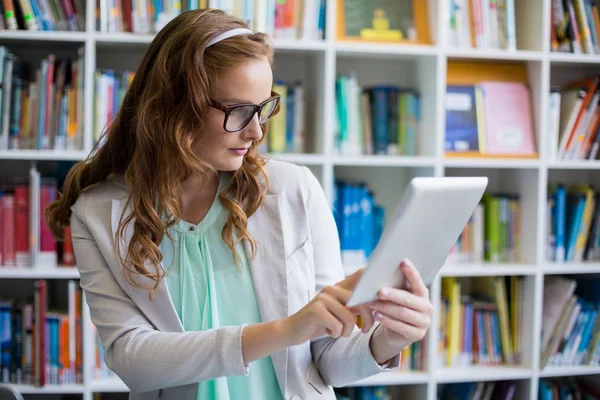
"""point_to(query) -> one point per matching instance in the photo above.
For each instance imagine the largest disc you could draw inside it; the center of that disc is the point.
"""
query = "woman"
(211, 273)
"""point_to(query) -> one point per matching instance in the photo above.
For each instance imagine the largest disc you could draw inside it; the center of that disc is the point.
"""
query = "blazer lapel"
(160, 310)
(269, 273)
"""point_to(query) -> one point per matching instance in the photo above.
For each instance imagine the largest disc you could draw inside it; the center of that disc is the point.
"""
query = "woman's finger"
(340, 312)
(417, 286)
(366, 317)
(403, 329)
(400, 313)
(406, 299)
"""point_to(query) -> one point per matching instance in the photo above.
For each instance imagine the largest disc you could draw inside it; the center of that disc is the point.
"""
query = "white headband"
(228, 34)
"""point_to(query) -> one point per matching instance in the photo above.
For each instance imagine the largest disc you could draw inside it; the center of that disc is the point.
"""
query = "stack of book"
(43, 15)
(25, 239)
(41, 344)
(286, 132)
(492, 233)
(381, 120)
(501, 390)
(572, 223)
(110, 90)
(575, 26)
(413, 357)
(41, 108)
(571, 322)
(359, 222)
(482, 24)
(281, 19)
(574, 119)
(481, 321)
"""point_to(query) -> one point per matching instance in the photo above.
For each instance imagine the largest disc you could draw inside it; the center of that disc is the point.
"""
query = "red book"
(68, 256)
(22, 225)
(8, 227)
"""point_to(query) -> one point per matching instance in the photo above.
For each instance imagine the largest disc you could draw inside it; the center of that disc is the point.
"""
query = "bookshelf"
(318, 63)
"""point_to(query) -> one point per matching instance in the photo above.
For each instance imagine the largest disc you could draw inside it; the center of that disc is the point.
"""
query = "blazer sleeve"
(144, 358)
(344, 360)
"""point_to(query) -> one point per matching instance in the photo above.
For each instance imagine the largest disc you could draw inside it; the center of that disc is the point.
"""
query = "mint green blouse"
(209, 291)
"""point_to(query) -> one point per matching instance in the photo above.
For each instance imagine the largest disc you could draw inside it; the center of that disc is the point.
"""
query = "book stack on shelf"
(573, 219)
(279, 19)
(109, 90)
(571, 322)
(492, 233)
(42, 106)
(586, 388)
(286, 129)
(575, 26)
(481, 321)
(501, 390)
(382, 120)
(43, 15)
(40, 342)
(482, 24)
(574, 119)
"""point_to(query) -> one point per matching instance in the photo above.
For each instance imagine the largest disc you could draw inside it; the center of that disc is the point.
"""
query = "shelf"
(549, 372)
(306, 159)
(571, 268)
(394, 378)
(39, 273)
(384, 161)
(576, 164)
(477, 373)
(569, 58)
(109, 385)
(384, 50)
(42, 155)
(491, 54)
(487, 269)
(74, 37)
(483, 162)
(50, 389)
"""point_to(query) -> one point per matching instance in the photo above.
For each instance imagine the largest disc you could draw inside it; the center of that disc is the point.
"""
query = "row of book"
(41, 108)
(25, 239)
(41, 344)
(42, 15)
(575, 26)
(110, 89)
(572, 223)
(574, 119)
(492, 233)
(482, 24)
(281, 19)
(501, 390)
(568, 387)
(363, 393)
(571, 321)
(286, 129)
(489, 118)
(359, 221)
(412, 357)
(376, 120)
(481, 321)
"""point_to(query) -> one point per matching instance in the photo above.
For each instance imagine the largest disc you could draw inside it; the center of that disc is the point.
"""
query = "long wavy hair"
(152, 138)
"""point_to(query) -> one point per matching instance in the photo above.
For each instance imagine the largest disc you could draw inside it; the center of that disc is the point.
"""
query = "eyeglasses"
(237, 116)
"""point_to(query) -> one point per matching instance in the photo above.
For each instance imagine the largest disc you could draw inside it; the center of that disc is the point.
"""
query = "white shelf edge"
(308, 159)
(42, 155)
(478, 373)
(383, 49)
(491, 269)
(571, 268)
(384, 161)
(51, 389)
(393, 378)
(549, 372)
(482, 162)
(493, 54)
(9, 272)
(576, 164)
(568, 58)
(109, 385)
(49, 36)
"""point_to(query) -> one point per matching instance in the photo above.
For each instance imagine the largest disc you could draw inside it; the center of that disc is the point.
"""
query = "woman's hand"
(405, 315)
(327, 314)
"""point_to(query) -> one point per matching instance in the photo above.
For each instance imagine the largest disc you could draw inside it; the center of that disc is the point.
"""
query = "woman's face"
(249, 83)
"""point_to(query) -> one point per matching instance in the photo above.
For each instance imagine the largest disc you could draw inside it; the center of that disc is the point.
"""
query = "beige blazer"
(145, 344)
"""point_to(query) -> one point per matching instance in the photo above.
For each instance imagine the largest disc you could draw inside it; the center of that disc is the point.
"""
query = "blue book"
(369, 231)
(461, 120)
(380, 119)
(560, 215)
(576, 206)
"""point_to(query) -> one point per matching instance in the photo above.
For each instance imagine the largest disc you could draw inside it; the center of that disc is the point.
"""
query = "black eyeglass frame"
(227, 109)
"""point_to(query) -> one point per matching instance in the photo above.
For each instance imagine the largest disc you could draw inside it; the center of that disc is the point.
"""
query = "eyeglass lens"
(240, 116)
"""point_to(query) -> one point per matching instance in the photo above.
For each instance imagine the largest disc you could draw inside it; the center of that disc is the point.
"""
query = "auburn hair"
(152, 137)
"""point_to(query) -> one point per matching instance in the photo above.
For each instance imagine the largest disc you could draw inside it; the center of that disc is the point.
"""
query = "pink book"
(8, 220)
(508, 121)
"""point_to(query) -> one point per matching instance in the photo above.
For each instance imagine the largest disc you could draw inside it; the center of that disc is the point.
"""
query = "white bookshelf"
(424, 68)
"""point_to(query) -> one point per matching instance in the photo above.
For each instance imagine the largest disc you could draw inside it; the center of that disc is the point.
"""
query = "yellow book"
(277, 124)
(452, 293)
(586, 219)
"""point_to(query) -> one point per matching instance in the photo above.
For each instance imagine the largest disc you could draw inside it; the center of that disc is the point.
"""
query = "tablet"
(424, 227)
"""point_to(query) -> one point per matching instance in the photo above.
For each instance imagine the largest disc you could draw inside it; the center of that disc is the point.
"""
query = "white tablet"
(424, 227)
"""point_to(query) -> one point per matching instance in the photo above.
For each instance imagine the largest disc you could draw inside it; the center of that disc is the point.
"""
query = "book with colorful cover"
(461, 119)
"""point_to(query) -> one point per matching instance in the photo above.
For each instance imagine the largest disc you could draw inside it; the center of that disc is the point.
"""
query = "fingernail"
(378, 316)
(384, 292)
